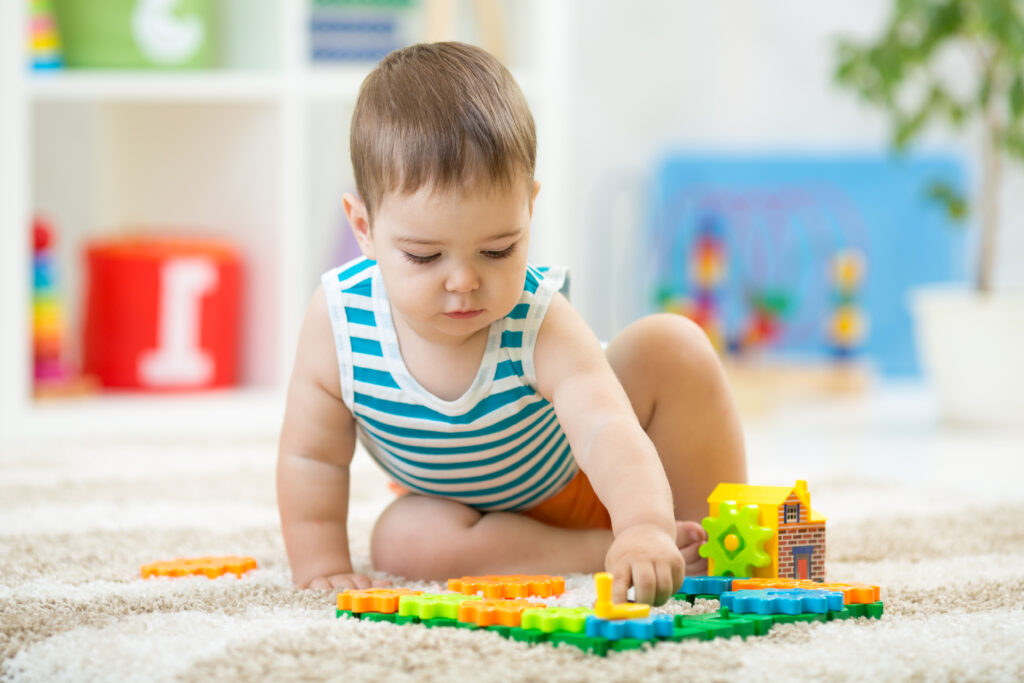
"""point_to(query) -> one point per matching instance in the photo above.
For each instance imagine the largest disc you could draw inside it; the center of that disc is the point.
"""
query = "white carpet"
(936, 517)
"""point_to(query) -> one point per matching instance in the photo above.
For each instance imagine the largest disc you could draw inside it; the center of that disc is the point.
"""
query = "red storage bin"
(162, 314)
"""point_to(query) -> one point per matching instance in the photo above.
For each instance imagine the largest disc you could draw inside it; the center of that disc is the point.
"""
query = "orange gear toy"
(495, 587)
(210, 567)
(383, 600)
(496, 612)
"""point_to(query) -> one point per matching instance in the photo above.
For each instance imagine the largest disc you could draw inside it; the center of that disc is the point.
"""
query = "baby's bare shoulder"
(565, 346)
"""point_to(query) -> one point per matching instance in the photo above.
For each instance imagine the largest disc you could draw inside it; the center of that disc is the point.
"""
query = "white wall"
(737, 75)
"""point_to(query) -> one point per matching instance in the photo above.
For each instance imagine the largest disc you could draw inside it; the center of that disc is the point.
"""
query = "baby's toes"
(689, 533)
(689, 537)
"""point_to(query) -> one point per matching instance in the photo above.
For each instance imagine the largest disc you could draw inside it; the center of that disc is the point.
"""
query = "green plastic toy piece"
(686, 633)
(571, 619)
(624, 644)
(527, 635)
(593, 645)
(870, 610)
(432, 605)
(794, 618)
(735, 540)
(378, 616)
(762, 623)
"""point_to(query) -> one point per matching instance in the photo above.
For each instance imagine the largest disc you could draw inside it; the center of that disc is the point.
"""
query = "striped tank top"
(497, 447)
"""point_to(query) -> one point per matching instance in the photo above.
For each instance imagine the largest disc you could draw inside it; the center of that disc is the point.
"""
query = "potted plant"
(971, 340)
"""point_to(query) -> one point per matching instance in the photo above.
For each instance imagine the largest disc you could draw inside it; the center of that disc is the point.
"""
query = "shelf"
(252, 413)
(219, 86)
(254, 151)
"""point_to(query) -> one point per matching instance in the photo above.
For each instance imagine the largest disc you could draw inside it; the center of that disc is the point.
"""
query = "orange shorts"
(574, 507)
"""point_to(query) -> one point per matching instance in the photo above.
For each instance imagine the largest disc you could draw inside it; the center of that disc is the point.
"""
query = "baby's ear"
(359, 219)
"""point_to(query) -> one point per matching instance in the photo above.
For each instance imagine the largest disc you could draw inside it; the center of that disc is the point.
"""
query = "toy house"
(796, 545)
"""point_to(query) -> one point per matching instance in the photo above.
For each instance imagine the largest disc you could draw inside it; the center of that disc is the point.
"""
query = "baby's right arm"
(315, 449)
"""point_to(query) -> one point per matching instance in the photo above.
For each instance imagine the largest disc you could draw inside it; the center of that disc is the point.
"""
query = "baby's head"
(443, 146)
(447, 116)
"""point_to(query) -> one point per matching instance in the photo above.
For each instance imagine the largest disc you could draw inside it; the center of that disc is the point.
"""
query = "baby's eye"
(503, 253)
(416, 258)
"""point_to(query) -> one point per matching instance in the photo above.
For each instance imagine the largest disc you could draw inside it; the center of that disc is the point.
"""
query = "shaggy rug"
(935, 517)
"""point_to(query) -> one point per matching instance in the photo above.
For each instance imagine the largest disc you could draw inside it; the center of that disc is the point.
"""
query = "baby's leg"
(679, 392)
(419, 537)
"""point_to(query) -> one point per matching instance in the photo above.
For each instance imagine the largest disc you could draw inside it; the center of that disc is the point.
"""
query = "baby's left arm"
(613, 450)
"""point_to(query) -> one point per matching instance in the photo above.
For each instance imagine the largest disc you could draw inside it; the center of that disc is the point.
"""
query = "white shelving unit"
(255, 151)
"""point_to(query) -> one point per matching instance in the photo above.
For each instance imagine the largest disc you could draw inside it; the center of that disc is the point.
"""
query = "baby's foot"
(689, 537)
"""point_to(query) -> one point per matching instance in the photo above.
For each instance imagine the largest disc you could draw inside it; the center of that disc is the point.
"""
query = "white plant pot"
(972, 350)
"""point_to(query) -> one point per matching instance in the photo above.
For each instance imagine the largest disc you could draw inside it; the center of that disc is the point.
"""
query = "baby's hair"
(447, 115)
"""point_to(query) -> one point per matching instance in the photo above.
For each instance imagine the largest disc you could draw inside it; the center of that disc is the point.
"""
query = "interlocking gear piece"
(210, 567)
(603, 606)
(706, 585)
(509, 586)
(782, 601)
(432, 605)
(381, 600)
(735, 540)
(497, 612)
(853, 593)
(645, 628)
(551, 619)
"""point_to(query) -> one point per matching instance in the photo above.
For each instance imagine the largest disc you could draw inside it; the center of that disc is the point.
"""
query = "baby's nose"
(462, 279)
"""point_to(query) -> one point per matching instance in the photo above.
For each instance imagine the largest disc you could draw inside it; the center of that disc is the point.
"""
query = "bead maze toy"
(847, 324)
(210, 567)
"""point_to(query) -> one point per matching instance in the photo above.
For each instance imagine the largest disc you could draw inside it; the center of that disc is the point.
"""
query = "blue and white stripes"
(497, 447)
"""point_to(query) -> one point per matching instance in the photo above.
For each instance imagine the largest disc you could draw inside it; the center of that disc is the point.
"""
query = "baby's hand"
(345, 582)
(647, 558)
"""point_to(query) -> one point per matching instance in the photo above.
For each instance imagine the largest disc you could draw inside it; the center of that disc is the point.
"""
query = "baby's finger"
(381, 583)
(620, 582)
(664, 589)
(678, 574)
(361, 582)
(644, 582)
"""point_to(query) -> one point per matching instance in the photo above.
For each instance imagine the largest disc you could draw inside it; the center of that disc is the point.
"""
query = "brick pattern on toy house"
(801, 542)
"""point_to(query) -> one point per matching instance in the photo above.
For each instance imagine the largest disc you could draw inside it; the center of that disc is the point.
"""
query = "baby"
(520, 444)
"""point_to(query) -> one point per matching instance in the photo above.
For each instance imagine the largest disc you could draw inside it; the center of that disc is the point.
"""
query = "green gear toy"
(735, 541)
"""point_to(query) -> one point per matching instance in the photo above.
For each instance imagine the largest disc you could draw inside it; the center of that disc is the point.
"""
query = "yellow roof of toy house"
(745, 494)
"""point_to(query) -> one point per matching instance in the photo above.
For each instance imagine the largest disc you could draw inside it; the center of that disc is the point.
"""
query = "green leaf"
(953, 201)
(1017, 96)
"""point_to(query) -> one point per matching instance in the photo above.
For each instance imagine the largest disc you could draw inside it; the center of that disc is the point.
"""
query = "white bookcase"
(255, 151)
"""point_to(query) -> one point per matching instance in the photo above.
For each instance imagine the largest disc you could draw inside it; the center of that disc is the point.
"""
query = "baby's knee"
(666, 342)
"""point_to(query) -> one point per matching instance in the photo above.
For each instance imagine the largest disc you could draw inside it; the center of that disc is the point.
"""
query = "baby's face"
(453, 262)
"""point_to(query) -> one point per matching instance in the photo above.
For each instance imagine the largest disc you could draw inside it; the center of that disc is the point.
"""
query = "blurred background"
(832, 190)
